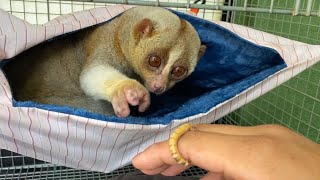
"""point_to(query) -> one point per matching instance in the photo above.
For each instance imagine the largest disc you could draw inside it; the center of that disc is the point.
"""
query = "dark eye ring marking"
(154, 61)
(178, 71)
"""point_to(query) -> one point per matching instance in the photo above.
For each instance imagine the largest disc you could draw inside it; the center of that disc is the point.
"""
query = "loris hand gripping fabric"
(240, 65)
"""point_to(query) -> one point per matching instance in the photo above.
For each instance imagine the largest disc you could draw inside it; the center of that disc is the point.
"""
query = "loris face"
(166, 56)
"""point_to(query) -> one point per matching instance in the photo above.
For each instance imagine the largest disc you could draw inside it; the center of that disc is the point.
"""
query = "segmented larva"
(173, 143)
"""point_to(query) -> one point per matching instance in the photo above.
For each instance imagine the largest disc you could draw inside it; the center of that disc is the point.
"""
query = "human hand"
(232, 152)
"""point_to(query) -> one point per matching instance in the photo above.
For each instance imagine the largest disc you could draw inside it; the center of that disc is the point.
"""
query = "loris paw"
(130, 92)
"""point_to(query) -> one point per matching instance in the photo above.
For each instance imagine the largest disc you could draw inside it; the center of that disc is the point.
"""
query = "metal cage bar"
(244, 8)
(296, 103)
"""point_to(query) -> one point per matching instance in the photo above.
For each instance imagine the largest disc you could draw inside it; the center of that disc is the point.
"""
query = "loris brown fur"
(146, 49)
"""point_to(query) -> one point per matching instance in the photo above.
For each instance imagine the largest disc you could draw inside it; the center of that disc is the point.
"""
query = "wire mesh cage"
(295, 104)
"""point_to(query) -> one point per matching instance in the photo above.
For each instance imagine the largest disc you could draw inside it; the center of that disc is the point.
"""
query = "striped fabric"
(90, 144)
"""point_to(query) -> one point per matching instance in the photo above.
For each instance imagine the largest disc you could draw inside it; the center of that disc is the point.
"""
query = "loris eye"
(178, 71)
(154, 61)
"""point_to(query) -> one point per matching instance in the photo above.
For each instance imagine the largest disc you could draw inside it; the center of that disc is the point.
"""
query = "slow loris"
(146, 49)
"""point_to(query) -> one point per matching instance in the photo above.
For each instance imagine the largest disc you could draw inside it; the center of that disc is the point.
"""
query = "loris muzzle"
(145, 49)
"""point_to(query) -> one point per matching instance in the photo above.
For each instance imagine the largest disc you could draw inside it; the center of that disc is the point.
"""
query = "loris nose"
(158, 89)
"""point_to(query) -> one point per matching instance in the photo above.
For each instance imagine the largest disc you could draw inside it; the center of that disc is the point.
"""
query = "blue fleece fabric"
(230, 65)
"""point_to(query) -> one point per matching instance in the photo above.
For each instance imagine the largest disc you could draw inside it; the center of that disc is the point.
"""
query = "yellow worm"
(173, 143)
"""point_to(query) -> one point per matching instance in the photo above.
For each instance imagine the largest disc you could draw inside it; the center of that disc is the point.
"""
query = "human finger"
(154, 157)
(156, 170)
(213, 176)
(234, 130)
(174, 170)
(211, 151)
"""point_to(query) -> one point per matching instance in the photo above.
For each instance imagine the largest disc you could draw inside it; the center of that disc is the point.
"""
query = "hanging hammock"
(240, 65)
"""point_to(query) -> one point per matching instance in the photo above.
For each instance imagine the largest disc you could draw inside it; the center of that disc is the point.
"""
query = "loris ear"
(202, 50)
(143, 29)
